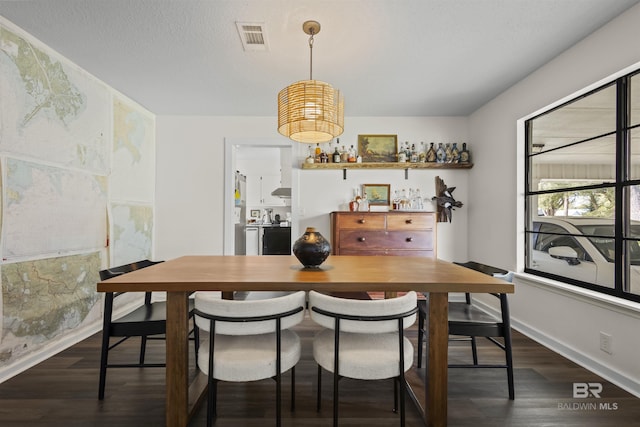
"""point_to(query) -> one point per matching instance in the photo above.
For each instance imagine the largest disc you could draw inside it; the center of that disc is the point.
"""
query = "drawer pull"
(361, 239)
(409, 221)
(409, 239)
(361, 221)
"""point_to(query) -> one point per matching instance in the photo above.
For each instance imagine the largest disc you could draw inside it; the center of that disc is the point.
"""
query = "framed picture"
(377, 194)
(255, 213)
(378, 148)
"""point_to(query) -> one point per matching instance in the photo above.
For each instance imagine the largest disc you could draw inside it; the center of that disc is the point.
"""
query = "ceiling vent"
(253, 36)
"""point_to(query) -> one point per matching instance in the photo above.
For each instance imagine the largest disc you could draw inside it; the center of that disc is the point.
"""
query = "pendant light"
(310, 111)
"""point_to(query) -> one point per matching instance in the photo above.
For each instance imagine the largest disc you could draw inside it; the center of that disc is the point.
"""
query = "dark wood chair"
(469, 321)
(147, 322)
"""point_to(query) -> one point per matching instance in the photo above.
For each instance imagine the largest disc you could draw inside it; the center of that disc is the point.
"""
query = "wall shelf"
(384, 165)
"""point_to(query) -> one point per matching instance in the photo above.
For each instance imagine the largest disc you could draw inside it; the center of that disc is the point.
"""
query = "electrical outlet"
(606, 342)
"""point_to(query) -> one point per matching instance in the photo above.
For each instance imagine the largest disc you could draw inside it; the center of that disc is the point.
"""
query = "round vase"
(311, 249)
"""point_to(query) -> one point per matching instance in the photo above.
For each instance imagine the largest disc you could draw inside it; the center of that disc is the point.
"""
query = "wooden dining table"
(182, 276)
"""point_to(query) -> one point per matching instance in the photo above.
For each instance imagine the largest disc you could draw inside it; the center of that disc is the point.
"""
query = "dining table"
(182, 276)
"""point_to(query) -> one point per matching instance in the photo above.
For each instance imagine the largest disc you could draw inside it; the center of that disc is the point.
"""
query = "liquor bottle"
(407, 152)
(448, 154)
(402, 156)
(431, 154)
(455, 153)
(336, 156)
(344, 155)
(422, 156)
(310, 158)
(465, 157)
(414, 154)
(324, 157)
(317, 153)
(440, 154)
(352, 155)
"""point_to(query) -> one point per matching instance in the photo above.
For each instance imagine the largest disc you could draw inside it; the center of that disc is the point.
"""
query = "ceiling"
(388, 57)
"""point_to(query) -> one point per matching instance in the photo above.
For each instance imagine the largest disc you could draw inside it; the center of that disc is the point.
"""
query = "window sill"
(608, 302)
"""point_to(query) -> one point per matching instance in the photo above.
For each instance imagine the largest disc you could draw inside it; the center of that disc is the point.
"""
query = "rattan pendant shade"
(310, 111)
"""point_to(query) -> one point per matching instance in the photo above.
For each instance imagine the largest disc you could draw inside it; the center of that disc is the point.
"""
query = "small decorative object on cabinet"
(311, 249)
(446, 202)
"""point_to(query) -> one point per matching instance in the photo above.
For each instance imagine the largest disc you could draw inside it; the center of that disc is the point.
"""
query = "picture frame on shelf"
(377, 194)
(255, 213)
(378, 148)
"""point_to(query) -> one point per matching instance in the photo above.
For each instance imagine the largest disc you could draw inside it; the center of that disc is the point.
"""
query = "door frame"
(230, 144)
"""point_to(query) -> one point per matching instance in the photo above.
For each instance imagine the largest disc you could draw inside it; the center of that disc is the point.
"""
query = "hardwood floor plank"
(62, 391)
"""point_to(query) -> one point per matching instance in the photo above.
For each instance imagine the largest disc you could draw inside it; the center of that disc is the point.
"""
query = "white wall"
(190, 176)
(495, 211)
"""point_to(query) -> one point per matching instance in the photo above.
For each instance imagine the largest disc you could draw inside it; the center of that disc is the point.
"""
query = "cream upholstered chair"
(249, 341)
(364, 339)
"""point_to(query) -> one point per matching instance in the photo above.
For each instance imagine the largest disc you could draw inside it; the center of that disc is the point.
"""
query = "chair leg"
(474, 350)
(336, 379)
(143, 348)
(395, 395)
(401, 381)
(293, 389)
(318, 397)
(509, 360)
(104, 356)
(420, 336)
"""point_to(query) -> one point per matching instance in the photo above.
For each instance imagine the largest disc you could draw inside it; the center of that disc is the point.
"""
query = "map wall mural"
(77, 172)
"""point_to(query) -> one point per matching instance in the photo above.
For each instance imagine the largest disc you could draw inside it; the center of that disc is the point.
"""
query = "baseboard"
(592, 365)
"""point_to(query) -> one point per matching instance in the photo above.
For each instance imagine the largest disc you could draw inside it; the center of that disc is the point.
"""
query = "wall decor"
(255, 213)
(444, 199)
(378, 148)
(377, 194)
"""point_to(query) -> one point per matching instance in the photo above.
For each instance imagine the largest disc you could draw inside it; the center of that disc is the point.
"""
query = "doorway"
(234, 146)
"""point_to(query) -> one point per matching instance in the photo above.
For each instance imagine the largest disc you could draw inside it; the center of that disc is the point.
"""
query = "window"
(582, 195)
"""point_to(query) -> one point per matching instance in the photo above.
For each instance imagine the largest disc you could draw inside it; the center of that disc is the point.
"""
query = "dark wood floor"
(62, 392)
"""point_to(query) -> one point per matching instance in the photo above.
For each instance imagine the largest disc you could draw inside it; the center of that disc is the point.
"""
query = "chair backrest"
(240, 317)
(124, 269)
(369, 309)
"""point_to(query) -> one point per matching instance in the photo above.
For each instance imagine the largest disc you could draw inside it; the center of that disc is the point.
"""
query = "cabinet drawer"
(364, 221)
(374, 240)
(410, 221)
(390, 252)
(410, 239)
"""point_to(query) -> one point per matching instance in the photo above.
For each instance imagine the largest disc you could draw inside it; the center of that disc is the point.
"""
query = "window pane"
(633, 195)
(580, 164)
(635, 100)
(632, 285)
(584, 118)
(597, 203)
(635, 153)
(565, 247)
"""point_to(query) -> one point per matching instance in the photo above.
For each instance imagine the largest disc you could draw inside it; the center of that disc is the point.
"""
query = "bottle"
(407, 152)
(336, 156)
(422, 156)
(414, 154)
(310, 158)
(448, 154)
(317, 153)
(344, 155)
(324, 157)
(352, 155)
(455, 153)
(431, 154)
(440, 154)
(465, 157)
(402, 156)
(364, 203)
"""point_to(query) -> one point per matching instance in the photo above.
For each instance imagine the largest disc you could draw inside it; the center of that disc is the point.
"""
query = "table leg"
(437, 361)
(177, 359)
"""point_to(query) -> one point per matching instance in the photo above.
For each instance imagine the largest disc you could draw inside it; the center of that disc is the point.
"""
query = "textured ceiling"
(389, 57)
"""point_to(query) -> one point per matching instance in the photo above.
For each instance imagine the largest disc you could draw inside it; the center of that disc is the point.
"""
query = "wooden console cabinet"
(395, 233)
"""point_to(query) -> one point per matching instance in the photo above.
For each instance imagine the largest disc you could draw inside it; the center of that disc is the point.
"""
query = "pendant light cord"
(311, 56)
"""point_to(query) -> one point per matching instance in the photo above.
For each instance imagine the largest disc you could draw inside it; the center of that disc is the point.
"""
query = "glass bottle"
(344, 155)
(422, 156)
(431, 154)
(440, 154)
(317, 153)
(352, 155)
(455, 153)
(414, 154)
(464, 154)
(336, 156)
(448, 154)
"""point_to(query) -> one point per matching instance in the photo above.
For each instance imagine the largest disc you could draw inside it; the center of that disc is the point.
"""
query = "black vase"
(311, 248)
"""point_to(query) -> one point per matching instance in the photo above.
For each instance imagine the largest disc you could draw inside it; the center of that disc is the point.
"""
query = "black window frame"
(623, 181)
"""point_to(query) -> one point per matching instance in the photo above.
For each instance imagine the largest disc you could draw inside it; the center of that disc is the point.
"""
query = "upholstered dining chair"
(354, 328)
(147, 322)
(468, 321)
(248, 341)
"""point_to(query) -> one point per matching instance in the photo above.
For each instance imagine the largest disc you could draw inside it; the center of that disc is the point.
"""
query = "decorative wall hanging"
(445, 201)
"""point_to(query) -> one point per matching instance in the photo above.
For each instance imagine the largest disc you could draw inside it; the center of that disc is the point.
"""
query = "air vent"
(253, 36)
